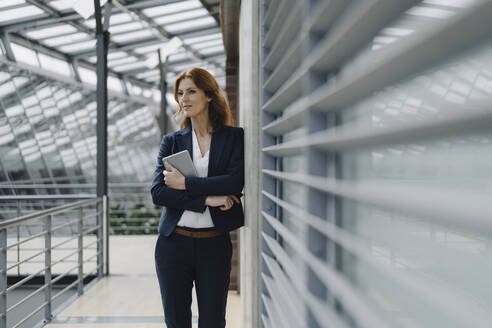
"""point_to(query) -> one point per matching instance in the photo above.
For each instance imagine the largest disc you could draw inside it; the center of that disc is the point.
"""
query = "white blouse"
(195, 219)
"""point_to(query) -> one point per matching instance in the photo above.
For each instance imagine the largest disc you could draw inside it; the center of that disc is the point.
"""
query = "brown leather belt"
(197, 234)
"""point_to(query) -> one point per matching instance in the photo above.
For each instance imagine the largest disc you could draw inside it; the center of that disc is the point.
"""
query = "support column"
(250, 119)
(163, 89)
(102, 37)
(3, 278)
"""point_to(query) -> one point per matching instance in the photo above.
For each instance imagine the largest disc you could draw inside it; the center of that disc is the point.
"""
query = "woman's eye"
(192, 91)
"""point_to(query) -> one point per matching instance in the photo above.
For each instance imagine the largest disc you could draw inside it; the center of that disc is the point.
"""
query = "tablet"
(182, 162)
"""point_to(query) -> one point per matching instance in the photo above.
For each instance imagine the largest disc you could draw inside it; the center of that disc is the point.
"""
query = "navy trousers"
(182, 260)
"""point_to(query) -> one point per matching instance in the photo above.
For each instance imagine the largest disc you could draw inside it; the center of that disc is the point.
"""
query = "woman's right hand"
(223, 202)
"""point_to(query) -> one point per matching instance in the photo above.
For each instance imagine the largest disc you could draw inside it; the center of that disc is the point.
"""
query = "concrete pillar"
(249, 118)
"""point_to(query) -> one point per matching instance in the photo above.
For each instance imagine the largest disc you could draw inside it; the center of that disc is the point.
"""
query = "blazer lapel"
(185, 140)
(216, 145)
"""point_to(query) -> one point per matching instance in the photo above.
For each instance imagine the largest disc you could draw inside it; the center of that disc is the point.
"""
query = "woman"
(194, 243)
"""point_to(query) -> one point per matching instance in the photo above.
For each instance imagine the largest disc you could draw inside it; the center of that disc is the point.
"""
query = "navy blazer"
(225, 177)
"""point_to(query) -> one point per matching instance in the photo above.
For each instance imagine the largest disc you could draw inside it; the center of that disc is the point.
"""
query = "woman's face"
(192, 100)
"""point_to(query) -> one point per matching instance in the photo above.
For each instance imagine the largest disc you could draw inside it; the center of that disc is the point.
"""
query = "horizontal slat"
(470, 212)
(292, 26)
(457, 122)
(355, 30)
(406, 59)
(434, 295)
(280, 12)
(288, 122)
(325, 14)
(273, 316)
(338, 285)
(267, 20)
(266, 321)
(284, 69)
(281, 303)
(360, 24)
(320, 310)
(288, 285)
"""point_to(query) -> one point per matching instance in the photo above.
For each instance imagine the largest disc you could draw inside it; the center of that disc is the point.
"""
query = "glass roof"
(138, 30)
(187, 15)
(189, 25)
(10, 3)
(62, 4)
(172, 8)
(17, 13)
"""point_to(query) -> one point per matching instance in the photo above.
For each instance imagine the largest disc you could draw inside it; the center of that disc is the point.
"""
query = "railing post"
(100, 237)
(18, 238)
(3, 278)
(106, 234)
(47, 272)
(80, 231)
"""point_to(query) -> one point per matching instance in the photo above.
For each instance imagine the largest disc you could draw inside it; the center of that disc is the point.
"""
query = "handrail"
(75, 185)
(47, 218)
(48, 197)
(29, 217)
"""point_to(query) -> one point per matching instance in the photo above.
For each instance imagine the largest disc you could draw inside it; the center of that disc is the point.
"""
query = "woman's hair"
(219, 112)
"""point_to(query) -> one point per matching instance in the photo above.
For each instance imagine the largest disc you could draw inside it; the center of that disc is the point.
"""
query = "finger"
(235, 198)
(171, 167)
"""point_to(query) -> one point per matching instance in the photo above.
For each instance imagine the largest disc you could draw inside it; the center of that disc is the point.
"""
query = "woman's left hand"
(173, 178)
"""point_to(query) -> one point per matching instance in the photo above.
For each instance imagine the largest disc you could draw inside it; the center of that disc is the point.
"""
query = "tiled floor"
(129, 297)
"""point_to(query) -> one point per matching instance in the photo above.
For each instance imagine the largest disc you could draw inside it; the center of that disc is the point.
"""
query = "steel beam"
(163, 89)
(6, 45)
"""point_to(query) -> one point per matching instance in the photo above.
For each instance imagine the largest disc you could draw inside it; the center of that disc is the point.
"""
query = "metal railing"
(131, 210)
(63, 251)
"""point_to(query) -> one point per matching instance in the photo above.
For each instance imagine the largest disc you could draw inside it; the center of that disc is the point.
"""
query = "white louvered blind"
(376, 163)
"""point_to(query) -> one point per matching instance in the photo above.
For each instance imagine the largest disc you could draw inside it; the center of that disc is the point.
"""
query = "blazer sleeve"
(231, 183)
(170, 197)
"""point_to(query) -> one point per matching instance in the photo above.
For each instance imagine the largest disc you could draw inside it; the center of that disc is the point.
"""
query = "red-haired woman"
(199, 212)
